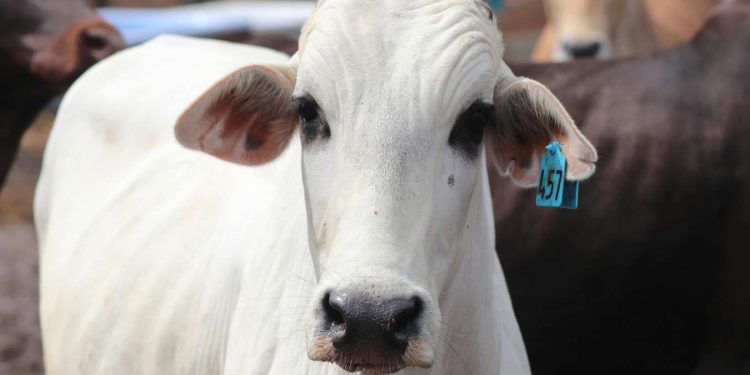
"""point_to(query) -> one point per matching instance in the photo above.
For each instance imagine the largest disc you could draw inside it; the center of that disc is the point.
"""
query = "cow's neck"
(476, 310)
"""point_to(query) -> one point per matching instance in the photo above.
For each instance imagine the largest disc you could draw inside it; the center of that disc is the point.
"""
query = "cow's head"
(394, 103)
(586, 28)
(53, 40)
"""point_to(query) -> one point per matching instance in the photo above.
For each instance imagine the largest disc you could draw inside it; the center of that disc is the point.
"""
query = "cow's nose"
(100, 40)
(582, 50)
(368, 328)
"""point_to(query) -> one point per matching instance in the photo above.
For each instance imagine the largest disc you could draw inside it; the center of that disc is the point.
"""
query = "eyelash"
(466, 136)
(312, 126)
(468, 132)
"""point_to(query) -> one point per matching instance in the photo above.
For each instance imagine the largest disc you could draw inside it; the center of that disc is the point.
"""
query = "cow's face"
(584, 28)
(394, 102)
(393, 107)
(53, 40)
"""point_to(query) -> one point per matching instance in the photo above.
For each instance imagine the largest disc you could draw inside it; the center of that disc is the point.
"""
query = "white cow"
(361, 242)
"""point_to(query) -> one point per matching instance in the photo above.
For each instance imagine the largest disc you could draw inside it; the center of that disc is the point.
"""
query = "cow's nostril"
(405, 316)
(333, 309)
(359, 324)
(582, 50)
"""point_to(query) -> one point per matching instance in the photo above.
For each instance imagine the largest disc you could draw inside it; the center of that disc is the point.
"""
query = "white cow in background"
(348, 227)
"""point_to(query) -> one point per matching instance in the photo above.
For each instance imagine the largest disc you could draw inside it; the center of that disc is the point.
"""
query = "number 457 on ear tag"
(553, 189)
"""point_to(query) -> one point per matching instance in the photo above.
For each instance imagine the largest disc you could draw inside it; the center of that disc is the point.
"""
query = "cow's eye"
(312, 126)
(468, 132)
(307, 108)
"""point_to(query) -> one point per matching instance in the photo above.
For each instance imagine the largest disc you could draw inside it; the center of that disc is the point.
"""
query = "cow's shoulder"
(134, 98)
(116, 124)
(121, 200)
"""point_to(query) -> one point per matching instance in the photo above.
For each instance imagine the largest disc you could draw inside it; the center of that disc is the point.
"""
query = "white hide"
(160, 260)
(144, 244)
(391, 78)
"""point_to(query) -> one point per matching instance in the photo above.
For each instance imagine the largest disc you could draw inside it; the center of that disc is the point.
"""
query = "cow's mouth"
(388, 367)
(368, 364)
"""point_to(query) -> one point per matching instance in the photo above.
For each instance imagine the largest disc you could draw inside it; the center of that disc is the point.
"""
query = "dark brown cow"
(652, 274)
(44, 45)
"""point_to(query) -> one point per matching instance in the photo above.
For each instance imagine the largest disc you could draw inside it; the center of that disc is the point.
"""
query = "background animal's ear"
(528, 117)
(246, 118)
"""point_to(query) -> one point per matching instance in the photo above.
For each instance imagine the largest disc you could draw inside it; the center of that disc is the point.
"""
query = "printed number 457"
(552, 188)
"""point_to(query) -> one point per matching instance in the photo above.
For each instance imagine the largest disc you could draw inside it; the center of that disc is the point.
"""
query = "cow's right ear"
(528, 117)
(246, 118)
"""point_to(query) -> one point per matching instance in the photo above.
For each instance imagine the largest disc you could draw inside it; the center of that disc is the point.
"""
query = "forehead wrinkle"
(472, 78)
(326, 50)
(339, 66)
(378, 34)
(460, 53)
(433, 43)
(356, 33)
(442, 36)
(398, 72)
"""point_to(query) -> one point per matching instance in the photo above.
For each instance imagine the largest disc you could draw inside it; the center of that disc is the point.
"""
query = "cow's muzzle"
(363, 331)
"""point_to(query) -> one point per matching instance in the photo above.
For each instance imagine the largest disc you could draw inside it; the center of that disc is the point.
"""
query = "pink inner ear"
(580, 156)
(529, 117)
(581, 160)
(246, 118)
(521, 163)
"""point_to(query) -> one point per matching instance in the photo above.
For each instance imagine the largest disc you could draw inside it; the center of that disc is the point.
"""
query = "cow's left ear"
(528, 117)
(246, 118)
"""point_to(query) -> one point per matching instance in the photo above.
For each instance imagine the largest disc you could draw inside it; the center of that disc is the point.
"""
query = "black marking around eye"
(307, 107)
(468, 131)
(312, 125)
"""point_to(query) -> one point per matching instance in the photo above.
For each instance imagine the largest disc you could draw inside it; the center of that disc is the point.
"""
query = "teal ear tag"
(553, 189)
(496, 4)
